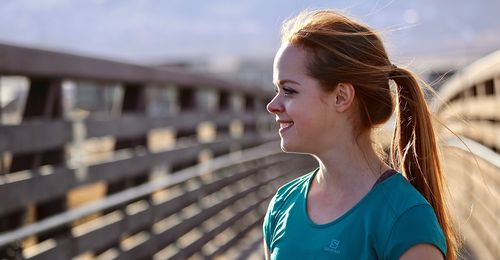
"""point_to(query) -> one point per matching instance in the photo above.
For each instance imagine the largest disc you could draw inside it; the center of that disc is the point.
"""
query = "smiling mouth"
(286, 125)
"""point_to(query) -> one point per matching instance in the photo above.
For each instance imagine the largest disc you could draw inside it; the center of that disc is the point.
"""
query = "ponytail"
(415, 152)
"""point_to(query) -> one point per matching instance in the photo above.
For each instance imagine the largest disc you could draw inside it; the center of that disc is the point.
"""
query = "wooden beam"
(15, 60)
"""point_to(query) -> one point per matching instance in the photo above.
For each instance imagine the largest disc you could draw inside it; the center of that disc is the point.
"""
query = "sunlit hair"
(344, 50)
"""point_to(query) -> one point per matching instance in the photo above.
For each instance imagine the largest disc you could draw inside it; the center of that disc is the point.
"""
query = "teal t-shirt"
(385, 223)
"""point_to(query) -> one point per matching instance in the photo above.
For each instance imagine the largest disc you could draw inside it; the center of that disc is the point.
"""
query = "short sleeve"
(416, 225)
(267, 226)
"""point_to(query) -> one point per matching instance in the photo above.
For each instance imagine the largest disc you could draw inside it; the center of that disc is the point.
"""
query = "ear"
(344, 96)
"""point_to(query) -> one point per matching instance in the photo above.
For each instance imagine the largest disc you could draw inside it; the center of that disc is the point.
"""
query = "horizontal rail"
(482, 70)
(44, 135)
(33, 136)
(474, 193)
(486, 107)
(15, 60)
(136, 125)
(475, 147)
(120, 198)
(42, 187)
(132, 223)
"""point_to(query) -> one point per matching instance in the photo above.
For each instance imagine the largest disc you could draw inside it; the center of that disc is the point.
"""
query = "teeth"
(285, 125)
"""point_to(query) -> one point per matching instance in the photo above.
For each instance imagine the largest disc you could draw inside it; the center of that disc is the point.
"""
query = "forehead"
(289, 62)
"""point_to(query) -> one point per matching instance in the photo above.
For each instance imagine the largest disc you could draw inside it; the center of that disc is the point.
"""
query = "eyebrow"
(284, 81)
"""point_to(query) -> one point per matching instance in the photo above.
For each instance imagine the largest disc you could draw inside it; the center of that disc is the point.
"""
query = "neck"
(354, 167)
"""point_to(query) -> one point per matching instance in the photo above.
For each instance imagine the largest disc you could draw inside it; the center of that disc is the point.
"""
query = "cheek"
(317, 122)
(308, 124)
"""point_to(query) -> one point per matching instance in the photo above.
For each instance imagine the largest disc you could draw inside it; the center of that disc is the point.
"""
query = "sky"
(162, 31)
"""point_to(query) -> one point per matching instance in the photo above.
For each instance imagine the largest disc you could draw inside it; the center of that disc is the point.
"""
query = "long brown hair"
(344, 50)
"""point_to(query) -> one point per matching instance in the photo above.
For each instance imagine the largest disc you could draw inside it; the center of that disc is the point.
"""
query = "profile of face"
(310, 119)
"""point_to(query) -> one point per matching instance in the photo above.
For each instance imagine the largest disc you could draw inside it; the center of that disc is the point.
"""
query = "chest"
(357, 232)
(322, 209)
(300, 240)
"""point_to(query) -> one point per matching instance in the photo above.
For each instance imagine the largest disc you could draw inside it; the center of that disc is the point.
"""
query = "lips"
(284, 124)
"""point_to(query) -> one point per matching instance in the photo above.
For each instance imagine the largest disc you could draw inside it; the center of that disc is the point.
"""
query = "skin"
(322, 124)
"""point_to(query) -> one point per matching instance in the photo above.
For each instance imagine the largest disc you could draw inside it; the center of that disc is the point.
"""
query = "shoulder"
(286, 194)
(399, 195)
(290, 190)
(408, 219)
(295, 184)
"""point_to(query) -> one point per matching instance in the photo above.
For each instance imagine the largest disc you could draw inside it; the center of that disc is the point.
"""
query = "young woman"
(332, 89)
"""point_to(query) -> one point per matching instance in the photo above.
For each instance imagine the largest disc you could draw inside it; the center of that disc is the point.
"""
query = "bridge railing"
(182, 165)
(472, 164)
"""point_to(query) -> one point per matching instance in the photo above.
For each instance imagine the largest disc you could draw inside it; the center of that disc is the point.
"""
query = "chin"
(285, 147)
(288, 147)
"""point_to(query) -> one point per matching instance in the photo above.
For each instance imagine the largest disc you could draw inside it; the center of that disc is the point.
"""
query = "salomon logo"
(333, 246)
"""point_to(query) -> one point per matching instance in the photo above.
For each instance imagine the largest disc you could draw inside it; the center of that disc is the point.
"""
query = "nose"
(275, 106)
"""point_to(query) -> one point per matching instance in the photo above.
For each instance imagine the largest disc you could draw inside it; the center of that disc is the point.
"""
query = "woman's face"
(303, 110)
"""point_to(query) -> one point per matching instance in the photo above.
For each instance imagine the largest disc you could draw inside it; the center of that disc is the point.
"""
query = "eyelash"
(286, 91)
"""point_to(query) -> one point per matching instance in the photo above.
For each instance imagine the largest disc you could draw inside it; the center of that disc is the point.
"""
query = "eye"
(288, 91)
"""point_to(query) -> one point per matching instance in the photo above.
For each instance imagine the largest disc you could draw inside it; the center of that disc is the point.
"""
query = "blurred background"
(239, 39)
(137, 129)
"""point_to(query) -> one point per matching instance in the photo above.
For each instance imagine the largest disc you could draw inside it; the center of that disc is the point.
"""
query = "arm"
(267, 228)
(266, 251)
(422, 251)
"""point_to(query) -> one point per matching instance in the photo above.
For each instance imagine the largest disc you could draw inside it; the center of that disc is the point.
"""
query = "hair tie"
(393, 72)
